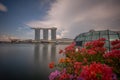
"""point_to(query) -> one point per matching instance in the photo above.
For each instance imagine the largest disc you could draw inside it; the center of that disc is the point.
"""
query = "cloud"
(72, 17)
(3, 8)
(26, 31)
(7, 37)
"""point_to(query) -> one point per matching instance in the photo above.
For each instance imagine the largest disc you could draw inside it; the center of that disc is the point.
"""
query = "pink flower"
(54, 75)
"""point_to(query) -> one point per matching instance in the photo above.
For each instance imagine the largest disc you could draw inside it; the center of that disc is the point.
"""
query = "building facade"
(94, 35)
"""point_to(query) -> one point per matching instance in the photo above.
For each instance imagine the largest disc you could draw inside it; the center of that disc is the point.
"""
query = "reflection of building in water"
(53, 52)
(36, 52)
(44, 52)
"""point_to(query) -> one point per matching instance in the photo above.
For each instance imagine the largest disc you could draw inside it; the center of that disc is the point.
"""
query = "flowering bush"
(91, 62)
(112, 57)
(96, 71)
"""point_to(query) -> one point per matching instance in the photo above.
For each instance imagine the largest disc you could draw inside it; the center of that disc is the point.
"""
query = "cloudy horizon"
(70, 17)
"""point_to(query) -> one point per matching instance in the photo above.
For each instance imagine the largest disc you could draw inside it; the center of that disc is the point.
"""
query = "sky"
(71, 17)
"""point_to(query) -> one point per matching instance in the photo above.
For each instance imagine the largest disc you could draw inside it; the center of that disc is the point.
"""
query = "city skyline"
(68, 16)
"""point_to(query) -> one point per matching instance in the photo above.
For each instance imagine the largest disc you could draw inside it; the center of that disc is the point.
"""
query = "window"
(113, 37)
(111, 32)
(107, 44)
(78, 43)
(104, 36)
(104, 32)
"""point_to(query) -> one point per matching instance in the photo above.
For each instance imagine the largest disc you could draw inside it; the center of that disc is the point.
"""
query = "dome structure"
(94, 35)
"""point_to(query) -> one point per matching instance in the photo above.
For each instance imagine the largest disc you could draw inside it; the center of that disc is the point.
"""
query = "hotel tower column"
(53, 33)
(37, 34)
(45, 34)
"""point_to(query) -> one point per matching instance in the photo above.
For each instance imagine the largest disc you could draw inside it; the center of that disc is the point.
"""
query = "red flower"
(77, 67)
(102, 39)
(95, 44)
(84, 50)
(115, 42)
(51, 65)
(92, 52)
(70, 48)
(113, 54)
(96, 71)
(64, 76)
(61, 51)
(85, 60)
(117, 46)
(100, 49)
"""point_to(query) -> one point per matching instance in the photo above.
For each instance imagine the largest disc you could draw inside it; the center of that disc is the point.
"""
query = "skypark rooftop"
(43, 28)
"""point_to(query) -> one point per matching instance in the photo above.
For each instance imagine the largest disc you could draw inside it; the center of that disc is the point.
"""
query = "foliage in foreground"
(92, 62)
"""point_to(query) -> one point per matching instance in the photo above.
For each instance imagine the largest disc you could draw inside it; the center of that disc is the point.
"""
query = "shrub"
(91, 62)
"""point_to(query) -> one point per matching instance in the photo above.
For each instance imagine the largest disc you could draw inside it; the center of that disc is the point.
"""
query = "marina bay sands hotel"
(45, 33)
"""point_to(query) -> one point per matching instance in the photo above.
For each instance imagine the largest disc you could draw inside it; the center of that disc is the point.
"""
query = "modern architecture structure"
(94, 35)
(45, 33)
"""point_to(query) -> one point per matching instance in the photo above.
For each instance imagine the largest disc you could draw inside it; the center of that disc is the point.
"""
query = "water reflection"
(37, 53)
(53, 52)
(27, 61)
(46, 53)
(43, 54)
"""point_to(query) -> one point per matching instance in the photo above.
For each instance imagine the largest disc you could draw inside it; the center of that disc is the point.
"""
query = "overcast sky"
(71, 17)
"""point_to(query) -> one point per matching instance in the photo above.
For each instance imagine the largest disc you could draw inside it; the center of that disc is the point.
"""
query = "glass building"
(94, 35)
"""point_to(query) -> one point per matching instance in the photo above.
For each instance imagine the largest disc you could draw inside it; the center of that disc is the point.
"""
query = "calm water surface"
(27, 61)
